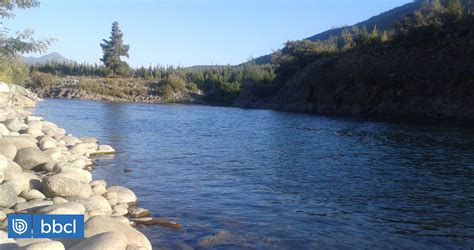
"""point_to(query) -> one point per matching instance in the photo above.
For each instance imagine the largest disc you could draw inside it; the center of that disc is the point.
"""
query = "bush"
(13, 71)
(166, 91)
(39, 79)
(175, 81)
(122, 88)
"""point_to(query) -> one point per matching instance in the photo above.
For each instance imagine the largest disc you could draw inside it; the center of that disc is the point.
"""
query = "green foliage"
(121, 88)
(347, 39)
(113, 49)
(434, 4)
(432, 16)
(455, 9)
(13, 71)
(385, 37)
(364, 37)
(297, 54)
(70, 69)
(220, 84)
(7, 6)
(177, 82)
(39, 79)
(23, 42)
(169, 85)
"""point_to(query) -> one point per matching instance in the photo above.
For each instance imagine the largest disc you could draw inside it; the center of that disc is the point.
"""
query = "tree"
(454, 9)
(385, 37)
(435, 5)
(469, 7)
(364, 36)
(23, 42)
(374, 35)
(113, 49)
(348, 40)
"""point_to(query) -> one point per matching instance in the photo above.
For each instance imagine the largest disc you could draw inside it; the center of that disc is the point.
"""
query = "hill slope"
(384, 21)
(429, 77)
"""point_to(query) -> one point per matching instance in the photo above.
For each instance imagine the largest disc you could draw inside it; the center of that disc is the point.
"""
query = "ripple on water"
(265, 179)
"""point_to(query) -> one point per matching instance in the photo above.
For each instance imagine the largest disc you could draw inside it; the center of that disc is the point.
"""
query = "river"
(267, 179)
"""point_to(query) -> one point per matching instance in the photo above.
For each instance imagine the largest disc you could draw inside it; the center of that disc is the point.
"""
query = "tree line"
(434, 15)
(222, 84)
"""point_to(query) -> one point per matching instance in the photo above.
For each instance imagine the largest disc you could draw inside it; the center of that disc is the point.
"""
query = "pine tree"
(385, 37)
(455, 9)
(113, 49)
(435, 4)
(470, 7)
(364, 36)
(348, 40)
(374, 34)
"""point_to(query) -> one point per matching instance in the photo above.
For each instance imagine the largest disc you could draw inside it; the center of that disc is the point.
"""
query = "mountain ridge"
(51, 57)
(383, 21)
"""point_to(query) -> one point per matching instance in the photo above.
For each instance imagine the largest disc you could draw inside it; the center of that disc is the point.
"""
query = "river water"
(267, 179)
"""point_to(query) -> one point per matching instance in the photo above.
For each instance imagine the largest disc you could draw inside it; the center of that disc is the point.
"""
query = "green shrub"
(166, 91)
(13, 71)
(39, 79)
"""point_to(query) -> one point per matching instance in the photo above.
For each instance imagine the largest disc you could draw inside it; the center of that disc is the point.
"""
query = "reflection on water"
(265, 179)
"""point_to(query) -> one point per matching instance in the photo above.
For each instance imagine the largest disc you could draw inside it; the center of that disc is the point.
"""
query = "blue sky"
(189, 32)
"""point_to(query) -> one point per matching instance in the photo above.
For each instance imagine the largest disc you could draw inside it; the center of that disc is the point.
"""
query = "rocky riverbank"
(118, 90)
(47, 171)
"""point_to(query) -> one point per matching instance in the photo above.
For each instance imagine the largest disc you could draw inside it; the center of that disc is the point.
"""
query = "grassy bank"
(216, 85)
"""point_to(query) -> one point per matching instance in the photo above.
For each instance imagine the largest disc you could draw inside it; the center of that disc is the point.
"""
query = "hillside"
(429, 76)
(49, 58)
(383, 21)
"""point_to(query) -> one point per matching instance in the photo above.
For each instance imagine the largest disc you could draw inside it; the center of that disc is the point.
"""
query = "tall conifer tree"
(455, 8)
(113, 49)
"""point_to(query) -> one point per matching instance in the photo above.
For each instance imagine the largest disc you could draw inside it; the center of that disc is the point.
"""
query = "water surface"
(278, 180)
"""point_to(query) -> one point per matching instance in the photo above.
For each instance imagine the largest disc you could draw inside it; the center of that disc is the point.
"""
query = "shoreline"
(45, 170)
(371, 118)
(173, 165)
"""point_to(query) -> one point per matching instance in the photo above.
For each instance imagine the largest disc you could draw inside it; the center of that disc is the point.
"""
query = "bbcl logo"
(45, 226)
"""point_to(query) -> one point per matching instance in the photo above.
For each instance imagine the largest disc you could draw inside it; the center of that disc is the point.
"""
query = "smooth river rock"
(63, 208)
(76, 174)
(61, 186)
(32, 205)
(7, 196)
(45, 245)
(5, 242)
(30, 158)
(104, 150)
(13, 124)
(107, 240)
(101, 224)
(20, 142)
(8, 150)
(3, 162)
(95, 202)
(32, 194)
(124, 195)
(21, 181)
(4, 130)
